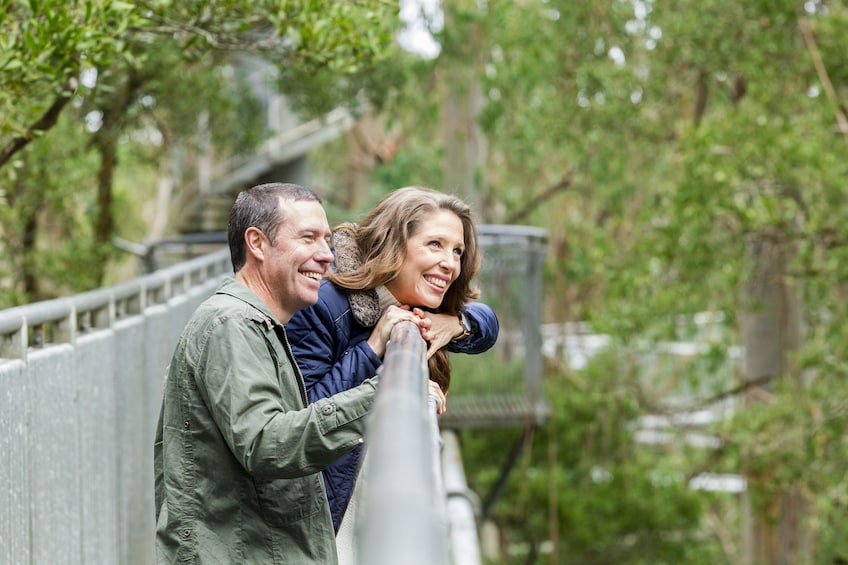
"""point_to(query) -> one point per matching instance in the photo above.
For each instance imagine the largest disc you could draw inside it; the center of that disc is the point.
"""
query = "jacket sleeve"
(262, 417)
(322, 347)
(484, 330)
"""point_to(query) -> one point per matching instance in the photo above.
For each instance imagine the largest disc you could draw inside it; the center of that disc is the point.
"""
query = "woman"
(413, 257)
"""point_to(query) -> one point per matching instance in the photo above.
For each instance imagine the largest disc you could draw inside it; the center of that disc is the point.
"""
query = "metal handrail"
(402, 513)
(21, 328)
(462, 505)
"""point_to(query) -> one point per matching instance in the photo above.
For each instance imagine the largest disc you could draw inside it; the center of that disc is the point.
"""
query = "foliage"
(656, 142)
(141, 81)
(45, 46)
(587, 484)
(62, 167)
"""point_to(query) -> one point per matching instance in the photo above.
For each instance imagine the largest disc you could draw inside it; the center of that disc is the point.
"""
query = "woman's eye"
(458, 252)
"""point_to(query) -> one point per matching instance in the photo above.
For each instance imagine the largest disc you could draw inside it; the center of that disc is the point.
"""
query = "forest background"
(684, 157)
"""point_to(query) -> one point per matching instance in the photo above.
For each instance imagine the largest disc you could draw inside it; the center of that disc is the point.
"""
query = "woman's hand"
(393, 314)
(441, 329)
(436, 392)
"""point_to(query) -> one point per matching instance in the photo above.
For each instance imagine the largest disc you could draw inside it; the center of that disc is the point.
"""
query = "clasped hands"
(436, 329)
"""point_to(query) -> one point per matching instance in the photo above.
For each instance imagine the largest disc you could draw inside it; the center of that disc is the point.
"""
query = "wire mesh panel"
(54, 473)
(95, 364)
(80, 390)
(502, 387)
(15, 546)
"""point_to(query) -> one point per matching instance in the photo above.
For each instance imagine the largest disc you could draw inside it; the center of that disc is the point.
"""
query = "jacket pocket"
(283, 501)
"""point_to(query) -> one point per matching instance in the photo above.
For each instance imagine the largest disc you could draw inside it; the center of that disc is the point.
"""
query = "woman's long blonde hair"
(382, 238)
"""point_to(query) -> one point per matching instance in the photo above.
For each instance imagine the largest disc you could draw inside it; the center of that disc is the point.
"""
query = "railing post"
(462, 506)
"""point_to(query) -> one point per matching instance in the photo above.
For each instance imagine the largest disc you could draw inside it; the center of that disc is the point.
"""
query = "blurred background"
(686, 160)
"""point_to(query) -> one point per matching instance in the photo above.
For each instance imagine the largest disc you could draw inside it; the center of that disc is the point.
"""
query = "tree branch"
(702, 90)
(741, 388)
(44, 123)
(217, 40)
(810, 42)
(534, 202)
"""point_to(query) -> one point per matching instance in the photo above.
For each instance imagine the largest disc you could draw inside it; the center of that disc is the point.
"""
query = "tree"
(672, 152)
(114, 61)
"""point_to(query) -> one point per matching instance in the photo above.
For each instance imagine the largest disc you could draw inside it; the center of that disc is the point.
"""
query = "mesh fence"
(503, 386)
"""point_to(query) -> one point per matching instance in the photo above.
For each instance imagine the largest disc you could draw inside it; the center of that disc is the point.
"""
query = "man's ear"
(255, 242)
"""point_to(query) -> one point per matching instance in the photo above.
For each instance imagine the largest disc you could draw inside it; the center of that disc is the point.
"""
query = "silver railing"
(462, 505)
(400, 517)
(80, 388)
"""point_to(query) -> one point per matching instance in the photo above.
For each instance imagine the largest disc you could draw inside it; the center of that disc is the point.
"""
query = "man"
(238, 449)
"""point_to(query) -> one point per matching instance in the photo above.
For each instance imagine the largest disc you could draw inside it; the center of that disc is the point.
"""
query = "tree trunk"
(105, 140)
(771, 331)
(28, 243)
(104, 223)
(23, 246)
(462, 100)
(169, 167)
(368, 144)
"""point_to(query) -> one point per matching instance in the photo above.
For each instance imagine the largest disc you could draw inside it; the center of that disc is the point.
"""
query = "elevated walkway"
(283, 155)
(510, 281)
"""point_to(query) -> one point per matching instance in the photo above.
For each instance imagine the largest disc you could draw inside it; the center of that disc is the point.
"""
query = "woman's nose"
(450, 260)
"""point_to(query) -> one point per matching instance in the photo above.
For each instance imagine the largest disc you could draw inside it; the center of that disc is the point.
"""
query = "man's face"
(300, 256)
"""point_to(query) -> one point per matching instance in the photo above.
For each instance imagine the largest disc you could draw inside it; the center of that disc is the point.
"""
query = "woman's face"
(432, 261)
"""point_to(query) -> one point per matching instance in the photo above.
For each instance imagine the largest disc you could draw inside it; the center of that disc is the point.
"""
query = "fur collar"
(364, 304)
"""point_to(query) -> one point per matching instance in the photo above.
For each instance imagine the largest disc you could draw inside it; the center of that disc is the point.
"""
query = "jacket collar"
(364, 304)
(234, 288)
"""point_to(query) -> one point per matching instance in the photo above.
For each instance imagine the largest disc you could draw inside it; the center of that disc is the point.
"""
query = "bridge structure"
(81, 379)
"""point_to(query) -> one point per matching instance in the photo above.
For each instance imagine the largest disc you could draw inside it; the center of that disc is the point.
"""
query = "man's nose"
(325, 253)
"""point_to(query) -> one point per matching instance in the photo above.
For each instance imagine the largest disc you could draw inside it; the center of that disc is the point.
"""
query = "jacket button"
(328, 409)
(186, 532)
(186, 424)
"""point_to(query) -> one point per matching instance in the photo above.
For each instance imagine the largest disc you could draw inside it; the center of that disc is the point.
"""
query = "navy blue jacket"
(330, 348)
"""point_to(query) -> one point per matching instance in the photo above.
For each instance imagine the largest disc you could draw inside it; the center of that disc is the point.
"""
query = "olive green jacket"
(238, 452)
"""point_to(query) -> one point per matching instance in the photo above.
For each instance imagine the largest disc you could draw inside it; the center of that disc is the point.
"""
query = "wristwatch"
(466, 329)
